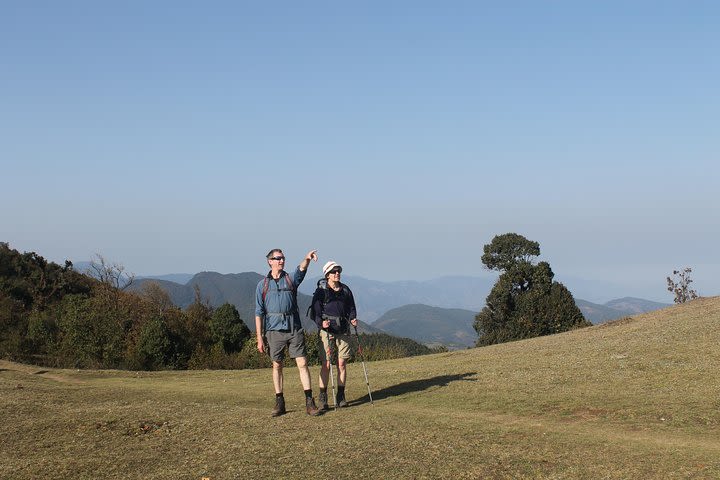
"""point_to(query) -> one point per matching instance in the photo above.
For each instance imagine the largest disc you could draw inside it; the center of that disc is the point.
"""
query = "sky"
(397, 138)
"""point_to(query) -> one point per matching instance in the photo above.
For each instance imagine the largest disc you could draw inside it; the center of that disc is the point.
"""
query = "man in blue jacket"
(277, 320)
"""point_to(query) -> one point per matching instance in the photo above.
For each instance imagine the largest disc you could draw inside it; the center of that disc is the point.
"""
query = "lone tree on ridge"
(525, 302)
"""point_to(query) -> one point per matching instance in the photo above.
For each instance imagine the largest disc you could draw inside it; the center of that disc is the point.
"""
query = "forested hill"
(217, 288)
(53, 315)
(235, 288)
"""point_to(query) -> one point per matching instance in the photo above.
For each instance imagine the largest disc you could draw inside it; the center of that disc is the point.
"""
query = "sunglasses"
(335, 270)
(277, 258)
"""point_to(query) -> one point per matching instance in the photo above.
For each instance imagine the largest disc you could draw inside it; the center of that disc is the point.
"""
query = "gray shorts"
(294, 341)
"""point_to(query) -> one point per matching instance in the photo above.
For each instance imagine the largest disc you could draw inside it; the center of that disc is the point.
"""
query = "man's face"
(277, 261)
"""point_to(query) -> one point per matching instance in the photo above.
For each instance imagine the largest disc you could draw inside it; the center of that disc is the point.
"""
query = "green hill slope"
(452, 327)
(636, 398)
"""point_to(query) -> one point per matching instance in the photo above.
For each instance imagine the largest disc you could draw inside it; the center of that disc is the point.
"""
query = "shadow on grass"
(414, 386)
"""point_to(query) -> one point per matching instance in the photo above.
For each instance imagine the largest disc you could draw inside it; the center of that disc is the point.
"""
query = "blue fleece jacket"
(279, 309)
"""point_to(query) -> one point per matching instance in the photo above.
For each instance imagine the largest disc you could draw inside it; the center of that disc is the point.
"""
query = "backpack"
(288, 280)
(322, 283)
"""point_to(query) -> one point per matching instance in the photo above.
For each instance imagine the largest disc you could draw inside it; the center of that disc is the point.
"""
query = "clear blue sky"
(395, 137)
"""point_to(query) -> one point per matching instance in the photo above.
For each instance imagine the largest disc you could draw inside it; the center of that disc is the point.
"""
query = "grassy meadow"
(635, 398)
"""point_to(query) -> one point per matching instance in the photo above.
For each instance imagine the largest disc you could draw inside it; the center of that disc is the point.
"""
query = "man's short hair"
(271, 253)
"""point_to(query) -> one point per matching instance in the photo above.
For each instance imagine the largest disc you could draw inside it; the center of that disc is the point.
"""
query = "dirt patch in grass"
(6, 365)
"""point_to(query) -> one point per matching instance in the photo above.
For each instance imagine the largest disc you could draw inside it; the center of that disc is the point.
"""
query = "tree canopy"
(509, 250)
(228, 329)
(525, 301)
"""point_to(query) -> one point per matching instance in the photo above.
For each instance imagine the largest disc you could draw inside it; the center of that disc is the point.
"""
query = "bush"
(154, 347)
(228, 329)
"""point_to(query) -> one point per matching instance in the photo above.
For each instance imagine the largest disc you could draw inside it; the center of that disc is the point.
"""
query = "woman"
(334, 311)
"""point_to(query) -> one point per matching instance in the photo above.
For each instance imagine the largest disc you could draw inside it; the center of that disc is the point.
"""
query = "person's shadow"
(414, 386)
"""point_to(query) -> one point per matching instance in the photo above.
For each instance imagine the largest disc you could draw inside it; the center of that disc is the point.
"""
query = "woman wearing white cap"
(334, 311)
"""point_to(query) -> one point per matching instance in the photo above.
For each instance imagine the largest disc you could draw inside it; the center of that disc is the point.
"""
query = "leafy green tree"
(154, 346)
(525, 301)
(90, 335)
(12, 326)
(42, 332)
(507, 251)
(198, 316)
(182, 346)
(228, 329)
(34, 281)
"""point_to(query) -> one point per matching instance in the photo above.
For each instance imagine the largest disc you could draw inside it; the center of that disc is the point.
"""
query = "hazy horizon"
(581, 288)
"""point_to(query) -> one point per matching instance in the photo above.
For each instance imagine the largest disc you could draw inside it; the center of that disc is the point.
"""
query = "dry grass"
(637, 398)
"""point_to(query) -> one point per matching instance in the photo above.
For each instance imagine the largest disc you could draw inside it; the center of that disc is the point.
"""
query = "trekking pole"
(331, 340)
(362, 359)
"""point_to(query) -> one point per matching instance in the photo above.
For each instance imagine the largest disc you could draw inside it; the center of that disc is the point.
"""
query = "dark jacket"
(336, 306)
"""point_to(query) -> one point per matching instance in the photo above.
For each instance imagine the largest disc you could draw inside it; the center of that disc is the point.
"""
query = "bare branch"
(111, 274)
(681, 287)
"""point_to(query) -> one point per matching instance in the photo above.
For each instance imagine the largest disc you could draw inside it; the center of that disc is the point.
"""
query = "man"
(334, 311)
(278, 320)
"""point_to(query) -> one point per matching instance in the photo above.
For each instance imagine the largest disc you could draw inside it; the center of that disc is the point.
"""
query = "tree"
(679, 285)
(89, 335)
(154, 346)
(507, 251)
(34, 281)
(525, 301)
(157, 297)
(228, 329)
(198, 315)
(112, 274)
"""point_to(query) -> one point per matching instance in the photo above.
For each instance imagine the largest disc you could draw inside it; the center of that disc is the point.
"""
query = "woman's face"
(334, 274)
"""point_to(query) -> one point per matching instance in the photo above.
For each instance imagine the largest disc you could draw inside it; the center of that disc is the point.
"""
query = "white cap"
(329, 266)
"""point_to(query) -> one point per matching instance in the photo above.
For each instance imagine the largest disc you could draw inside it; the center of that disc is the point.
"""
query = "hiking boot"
(322, 400)
(279, 407)
(341, 402)
(310, 407)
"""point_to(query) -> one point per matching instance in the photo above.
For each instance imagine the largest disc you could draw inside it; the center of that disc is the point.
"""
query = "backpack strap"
(288, 280)
(288, 283)
(344, 291)
(266, 285)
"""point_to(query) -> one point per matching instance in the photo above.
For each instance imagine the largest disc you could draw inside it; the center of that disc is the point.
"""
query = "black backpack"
(322, 283)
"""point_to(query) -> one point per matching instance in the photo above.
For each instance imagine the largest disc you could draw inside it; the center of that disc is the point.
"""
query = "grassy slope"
(637, 398)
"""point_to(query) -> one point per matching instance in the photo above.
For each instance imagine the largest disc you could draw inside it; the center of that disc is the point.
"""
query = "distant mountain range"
(622, 307)
(439, 311)
(181, 278)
